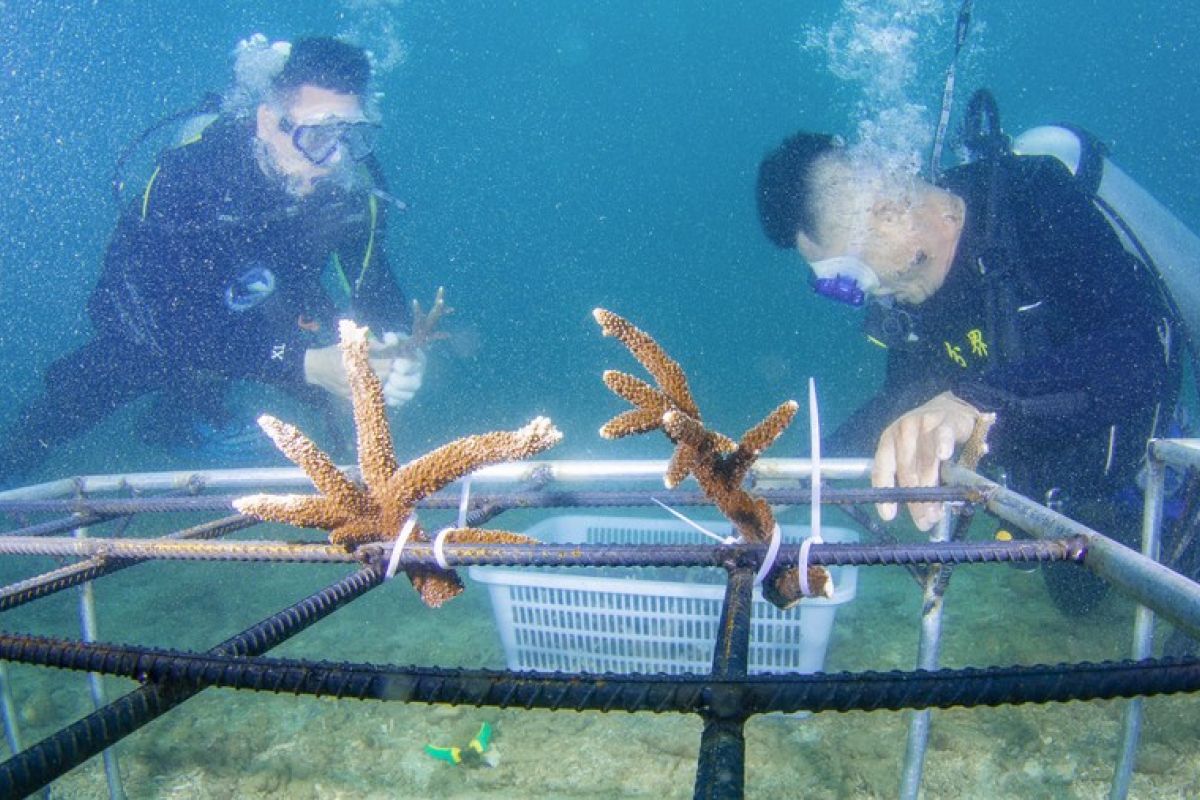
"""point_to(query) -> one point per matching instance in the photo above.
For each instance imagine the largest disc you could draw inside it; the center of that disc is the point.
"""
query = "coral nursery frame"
(725, 698)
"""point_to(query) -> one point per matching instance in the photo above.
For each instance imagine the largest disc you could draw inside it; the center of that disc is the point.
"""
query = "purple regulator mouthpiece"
(841, 288)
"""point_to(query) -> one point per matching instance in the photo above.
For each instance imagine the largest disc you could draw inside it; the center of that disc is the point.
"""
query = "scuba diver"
(1000, 288)
(234, 263)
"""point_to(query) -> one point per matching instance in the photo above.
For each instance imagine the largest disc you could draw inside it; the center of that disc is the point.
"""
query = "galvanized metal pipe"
(1143, 627)
(554, 498)
(928, 652)
(1166, 592)
(560, 471)
(1180, 452)
(8, 712)
(87, 633)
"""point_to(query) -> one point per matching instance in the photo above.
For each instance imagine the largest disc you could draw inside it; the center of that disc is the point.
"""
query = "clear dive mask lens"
(318, 142)
(846, 279)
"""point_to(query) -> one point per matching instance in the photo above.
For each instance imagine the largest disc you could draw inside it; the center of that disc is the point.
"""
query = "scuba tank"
(1147, 228)
(256, 61)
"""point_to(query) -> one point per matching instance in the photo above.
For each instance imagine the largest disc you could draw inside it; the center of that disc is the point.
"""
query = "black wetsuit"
(215, 273)
(1045, 319)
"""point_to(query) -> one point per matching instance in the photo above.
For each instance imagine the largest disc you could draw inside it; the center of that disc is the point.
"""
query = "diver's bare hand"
(912, 449)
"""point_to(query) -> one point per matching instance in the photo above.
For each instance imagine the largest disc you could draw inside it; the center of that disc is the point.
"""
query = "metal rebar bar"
(721, 769)
(420, 554)
(967, 687)
(56, 580)
(52, 757)
(879, 535)
(1168, 593)
(54, 526)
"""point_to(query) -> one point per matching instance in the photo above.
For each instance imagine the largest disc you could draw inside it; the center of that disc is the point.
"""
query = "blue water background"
(556, 157)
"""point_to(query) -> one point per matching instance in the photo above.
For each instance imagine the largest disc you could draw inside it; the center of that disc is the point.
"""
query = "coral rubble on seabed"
(354, 515)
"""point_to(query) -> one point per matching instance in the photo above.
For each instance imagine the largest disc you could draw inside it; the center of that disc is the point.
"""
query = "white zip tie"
(696, 525)
(769, 558)
(464, 501)
(803, 565)
(814, 537)
(439, 543)
(394, 560)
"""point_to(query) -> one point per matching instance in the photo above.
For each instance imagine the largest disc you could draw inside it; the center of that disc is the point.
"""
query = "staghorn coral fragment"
(448, 463)
(976, 446)
(683, 460)
(376, 456)
(628, 423)
(302, 510)
(650, 355)
(636, 390)
(759, 438)
(719, 464)
(354, 514)
(319, 467)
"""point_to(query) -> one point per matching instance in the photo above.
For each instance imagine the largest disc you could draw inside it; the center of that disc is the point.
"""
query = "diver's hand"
(407, 371)
(912, 449)
(400, 375)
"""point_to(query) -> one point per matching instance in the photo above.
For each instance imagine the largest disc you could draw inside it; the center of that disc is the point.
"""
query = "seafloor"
(225, 744)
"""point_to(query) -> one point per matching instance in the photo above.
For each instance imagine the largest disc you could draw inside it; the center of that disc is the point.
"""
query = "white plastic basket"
(564, 620)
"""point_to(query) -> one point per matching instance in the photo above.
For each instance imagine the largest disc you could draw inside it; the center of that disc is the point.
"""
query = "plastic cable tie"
(694, 524)
(802, 564)
(769, 558)
(398, 546)
(464, 501)
(814, 537)
(439, 544)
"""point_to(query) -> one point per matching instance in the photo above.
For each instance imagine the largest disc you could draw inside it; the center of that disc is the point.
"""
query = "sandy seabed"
(223, 744)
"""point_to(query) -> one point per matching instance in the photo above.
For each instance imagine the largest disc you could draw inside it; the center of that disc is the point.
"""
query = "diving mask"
(846, 279)
(319, 141)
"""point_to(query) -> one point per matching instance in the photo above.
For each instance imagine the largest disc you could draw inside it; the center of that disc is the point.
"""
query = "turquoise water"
(556, 157)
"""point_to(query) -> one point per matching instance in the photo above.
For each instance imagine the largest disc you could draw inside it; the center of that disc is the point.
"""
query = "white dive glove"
(403, 379)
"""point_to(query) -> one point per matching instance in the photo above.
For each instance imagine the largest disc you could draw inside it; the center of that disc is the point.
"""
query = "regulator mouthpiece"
(846, 279)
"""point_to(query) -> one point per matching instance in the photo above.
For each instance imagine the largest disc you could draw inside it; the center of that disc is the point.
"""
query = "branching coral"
(719, 464)
(424, 325)
(355, 514)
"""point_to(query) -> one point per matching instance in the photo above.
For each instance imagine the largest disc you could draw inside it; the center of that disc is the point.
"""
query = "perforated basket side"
(556, 620)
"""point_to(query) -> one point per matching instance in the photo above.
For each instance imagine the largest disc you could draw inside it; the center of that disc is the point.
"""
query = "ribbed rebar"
(50, 527)
(52, 757)
(553, 555)
(842, 691)
(56, 580)
(721, 767)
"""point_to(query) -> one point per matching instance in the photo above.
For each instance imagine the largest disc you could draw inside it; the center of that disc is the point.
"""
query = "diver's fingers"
(931, 451)
(883, 472)
(408, 366)
(926, 515)
(946, 439)
(382, 367)
(908, 436)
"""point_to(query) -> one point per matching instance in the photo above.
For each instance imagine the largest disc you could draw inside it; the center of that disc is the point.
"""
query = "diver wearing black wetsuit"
(1045, 319)
(216, 272)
